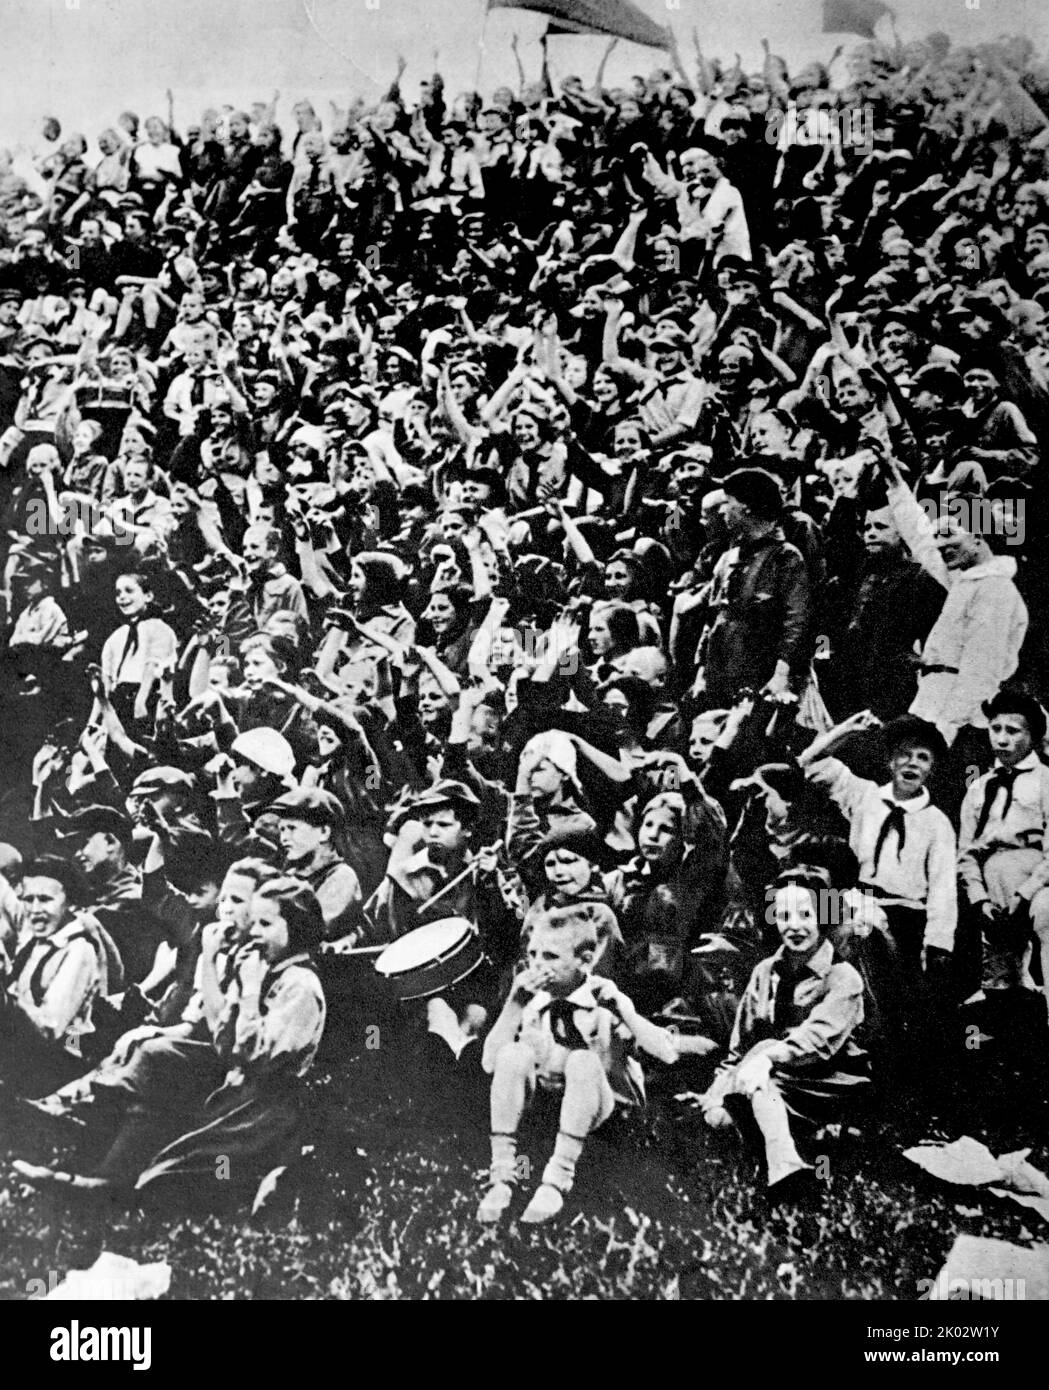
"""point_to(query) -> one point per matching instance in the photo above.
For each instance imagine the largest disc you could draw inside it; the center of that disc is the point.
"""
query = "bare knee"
(1040, 915)
(583, 1067)
(515, 1059)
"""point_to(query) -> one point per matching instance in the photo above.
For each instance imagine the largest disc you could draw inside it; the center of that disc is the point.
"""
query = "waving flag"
(1016, 108)
(852, 16)
(619, 19)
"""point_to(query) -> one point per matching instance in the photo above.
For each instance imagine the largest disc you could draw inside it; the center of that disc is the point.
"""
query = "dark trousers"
(31, 1064)
(164, 1086)
(925, 1003)
(969, 757)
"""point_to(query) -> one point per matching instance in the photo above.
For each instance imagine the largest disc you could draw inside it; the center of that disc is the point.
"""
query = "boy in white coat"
(974, 645)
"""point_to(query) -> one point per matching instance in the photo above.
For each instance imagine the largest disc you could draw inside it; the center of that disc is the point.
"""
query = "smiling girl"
(792, 1061)
(134, 657)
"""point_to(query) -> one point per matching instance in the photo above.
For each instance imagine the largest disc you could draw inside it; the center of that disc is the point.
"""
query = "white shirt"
(921, 873)
(979, 632)
(68, 974)
(42, 624)
(156, 644)
(721, 219)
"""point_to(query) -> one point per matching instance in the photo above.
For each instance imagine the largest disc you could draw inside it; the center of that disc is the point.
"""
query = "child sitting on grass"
(566, 1030)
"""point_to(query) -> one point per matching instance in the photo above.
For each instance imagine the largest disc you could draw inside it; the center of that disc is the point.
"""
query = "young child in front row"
(568, 1031)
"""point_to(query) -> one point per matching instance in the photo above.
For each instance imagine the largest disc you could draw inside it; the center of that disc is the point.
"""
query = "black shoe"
(436, 1059)
(37, 1112)
(796, 1189)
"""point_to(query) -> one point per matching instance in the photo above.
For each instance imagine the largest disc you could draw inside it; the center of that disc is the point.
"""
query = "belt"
(935, 670)
(890, 899)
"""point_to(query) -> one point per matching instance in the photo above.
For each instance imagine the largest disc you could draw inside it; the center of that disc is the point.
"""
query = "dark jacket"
(895, 606)
(760, 605)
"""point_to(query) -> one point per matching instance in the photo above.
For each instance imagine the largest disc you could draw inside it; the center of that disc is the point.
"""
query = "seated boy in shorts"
(571, 1032)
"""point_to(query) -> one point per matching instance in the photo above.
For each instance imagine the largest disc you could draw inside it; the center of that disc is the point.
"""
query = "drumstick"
(352, 950)
(454, 882)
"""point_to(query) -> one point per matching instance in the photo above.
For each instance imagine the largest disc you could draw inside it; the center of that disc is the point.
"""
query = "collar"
(1028, 764)
(997, 567)
(300, 958)
(819, 965)
(123, 885)
(913, 803)
(59, 938)
(773, 537)
(324, 858)
(583, 996)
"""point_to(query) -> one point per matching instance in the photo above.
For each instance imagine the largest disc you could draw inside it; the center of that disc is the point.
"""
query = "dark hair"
(142, 578)
(383, 583)
(825, 894)
(301, 912)
(908, 731)
(829, 852)
(641, 701)
(623, 626)
(546, 431)
(1012, 700)
(282, 650)
(251, 867)
(195, 859)
(63, 871)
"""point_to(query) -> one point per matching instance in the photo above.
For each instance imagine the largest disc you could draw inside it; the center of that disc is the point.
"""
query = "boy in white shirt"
(565, 1030)
(1003, 860)
(906, 846)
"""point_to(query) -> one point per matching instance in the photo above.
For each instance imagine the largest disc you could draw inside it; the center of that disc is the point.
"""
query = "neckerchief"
(1003, 779)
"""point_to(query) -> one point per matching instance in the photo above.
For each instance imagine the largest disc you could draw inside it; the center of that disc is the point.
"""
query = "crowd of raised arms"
(589, 535)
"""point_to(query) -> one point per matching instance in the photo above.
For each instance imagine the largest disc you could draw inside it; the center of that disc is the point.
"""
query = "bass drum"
(431, 959)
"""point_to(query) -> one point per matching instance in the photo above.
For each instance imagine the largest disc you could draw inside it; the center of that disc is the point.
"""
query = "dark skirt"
(244, 1132)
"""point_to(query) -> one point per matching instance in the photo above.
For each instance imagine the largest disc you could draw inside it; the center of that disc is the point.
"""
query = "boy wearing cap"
(759, 637)
(894, 605)
(434, 831)
(428, 878)
(256, 772)
(308, 819)
(709, 207)
(114, 886)
(672, 396)
(905, 845)
(1003, 860)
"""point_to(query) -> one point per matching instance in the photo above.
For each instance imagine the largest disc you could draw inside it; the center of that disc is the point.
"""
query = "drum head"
(425, 944)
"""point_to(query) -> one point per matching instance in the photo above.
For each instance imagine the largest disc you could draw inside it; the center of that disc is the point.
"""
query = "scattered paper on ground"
(968, 1163)
(114, 1277)
(983, 1269)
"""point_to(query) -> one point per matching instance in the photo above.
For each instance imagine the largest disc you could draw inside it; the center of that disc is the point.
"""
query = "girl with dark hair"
(238, 1096)
(136, 656)
(261, 704)
(793, 1062)
(672, 889)
(377, 588)
(540, 469)
(453, 619)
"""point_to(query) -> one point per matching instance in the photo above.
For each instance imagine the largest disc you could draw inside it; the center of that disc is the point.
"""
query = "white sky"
(88, 63)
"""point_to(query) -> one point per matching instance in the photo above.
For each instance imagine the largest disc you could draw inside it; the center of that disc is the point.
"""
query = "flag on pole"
(619, 19)
(1016, 108)
(853, 16)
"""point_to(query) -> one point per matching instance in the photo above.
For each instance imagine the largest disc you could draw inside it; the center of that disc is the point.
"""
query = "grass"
(383, 1205)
